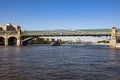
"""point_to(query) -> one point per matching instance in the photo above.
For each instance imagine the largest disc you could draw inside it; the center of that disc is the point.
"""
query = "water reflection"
(114, 66)
(113, 57)
(10, 64)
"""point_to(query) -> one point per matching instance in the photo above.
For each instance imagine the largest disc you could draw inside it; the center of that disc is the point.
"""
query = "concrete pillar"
(6, 40)
(113, 37)
(19, 38)
(18, 41)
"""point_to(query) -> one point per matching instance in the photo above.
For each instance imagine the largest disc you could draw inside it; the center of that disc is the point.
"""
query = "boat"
(55, 43)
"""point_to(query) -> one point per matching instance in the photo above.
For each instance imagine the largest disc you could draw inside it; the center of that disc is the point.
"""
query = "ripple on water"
(66, 62)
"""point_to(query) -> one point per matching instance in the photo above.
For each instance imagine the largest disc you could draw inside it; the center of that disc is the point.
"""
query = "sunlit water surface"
(66, 62)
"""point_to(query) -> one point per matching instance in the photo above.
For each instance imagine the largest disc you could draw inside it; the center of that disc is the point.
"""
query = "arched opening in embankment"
(12, 41)
(2, 41)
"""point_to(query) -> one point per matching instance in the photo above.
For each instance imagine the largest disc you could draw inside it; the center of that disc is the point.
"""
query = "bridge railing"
(67, 33)
(12, 32)
(8, 32)
(2, 32)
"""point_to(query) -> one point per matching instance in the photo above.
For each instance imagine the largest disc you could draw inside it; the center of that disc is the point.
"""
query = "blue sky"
(60, 14)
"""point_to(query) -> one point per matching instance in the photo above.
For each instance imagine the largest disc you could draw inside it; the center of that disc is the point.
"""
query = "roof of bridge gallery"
(77, 30)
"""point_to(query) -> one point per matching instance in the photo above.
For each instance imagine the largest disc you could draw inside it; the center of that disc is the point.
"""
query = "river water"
(66, 62)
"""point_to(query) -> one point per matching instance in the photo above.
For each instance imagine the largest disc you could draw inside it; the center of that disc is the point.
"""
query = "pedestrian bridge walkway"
(78, 32)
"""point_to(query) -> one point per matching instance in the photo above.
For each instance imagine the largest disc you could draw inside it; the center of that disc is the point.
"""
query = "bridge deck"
(79, 32)
(67, 34)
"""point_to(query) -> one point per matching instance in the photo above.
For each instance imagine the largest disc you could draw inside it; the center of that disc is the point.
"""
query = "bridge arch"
(2, 40)
(12, 41)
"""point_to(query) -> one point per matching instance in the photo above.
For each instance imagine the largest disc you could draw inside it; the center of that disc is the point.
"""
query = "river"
(66, 62)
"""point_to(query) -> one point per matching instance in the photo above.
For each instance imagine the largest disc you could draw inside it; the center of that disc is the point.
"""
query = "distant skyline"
(60, 14)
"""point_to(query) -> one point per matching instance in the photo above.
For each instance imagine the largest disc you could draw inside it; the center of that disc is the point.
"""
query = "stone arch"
(12, 41)
(2, 41)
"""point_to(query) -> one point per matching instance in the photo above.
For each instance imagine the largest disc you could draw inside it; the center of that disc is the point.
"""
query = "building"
(10, 34)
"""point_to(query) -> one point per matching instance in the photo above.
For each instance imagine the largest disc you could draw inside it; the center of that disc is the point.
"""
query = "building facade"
(10, 35)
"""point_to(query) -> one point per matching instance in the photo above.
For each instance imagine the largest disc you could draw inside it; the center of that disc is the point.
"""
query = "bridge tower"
(113, 37)
(10, 35)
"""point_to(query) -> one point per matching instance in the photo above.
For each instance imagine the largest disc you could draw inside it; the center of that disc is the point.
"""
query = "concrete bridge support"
(6, 40)
(10, 35)
(19, 38)
(113, 37)
(18, 41)
(15, 41)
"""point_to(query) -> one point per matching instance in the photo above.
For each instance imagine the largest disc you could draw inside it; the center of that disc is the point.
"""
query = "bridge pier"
(19, 38)
(18, 41)
(6, 40)
(113, 42)
(10, 34)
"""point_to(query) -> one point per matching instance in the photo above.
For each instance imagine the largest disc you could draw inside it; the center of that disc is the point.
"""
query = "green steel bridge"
(113, 33)
(22, 37)
(78, 32)
(10, 34)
